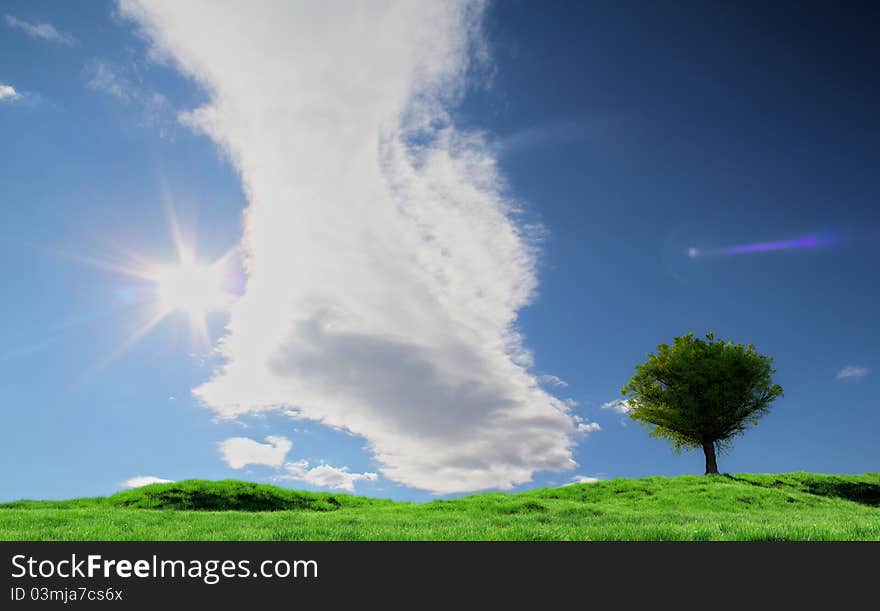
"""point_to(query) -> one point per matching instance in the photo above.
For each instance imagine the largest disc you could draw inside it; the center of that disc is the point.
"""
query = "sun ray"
(199, 326)
(136, 336)
(184, 249)
(136, 271)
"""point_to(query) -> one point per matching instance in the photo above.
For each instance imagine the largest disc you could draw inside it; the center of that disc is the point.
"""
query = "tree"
(701, 393)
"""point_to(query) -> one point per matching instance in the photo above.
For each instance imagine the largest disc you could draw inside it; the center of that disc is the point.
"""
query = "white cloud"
(7, 93)
(325, 476)
(588, 427)
(619, 406)
(239, 452)
(386, 262)
(44, 31)
(584, 426)
(852, 372)
(552, 380)
(583, 479)
(143, 480)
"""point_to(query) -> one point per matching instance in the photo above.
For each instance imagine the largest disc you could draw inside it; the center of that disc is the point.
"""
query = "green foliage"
(697, 391)
(791, 506)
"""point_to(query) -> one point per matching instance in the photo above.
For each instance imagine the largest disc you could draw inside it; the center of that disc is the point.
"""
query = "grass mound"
(224, 495)
(207, 495)
(714, 492)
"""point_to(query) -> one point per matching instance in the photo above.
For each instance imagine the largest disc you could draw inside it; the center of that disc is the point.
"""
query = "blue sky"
(540, 178)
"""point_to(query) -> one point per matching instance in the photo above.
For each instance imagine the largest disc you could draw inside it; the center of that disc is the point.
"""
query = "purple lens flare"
(808, 242)
(804, 243)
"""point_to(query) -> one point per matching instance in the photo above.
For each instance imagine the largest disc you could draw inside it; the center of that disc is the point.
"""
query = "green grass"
(792, 506)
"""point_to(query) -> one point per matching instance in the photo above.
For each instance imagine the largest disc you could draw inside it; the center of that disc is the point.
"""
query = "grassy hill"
(792, 506)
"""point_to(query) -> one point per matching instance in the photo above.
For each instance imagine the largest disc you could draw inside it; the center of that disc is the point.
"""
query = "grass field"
(792, 506)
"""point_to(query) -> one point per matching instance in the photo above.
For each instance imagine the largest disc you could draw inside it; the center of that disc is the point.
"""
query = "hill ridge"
(242, 495)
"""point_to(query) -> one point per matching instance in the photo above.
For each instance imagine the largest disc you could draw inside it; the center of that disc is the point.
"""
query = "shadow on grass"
(857, 492)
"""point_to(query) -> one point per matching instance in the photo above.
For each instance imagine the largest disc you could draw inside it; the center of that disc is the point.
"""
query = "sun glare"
(191, 288)
(185, 285)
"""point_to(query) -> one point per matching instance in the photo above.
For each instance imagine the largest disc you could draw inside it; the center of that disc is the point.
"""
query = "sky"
(412, 251)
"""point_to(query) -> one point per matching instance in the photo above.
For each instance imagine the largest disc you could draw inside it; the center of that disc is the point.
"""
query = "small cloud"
(852, 372)
(583, 479)
(7, 93)
(621, 406)
(325, 476)
(584, 427)
(43, 31)
(552, 380)
(239, 452)
(143, 480)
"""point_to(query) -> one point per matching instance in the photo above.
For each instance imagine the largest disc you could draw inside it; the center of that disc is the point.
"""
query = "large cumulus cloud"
(385, 261)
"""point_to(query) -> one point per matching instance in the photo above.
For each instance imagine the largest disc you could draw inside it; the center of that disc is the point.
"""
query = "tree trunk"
(709, 451)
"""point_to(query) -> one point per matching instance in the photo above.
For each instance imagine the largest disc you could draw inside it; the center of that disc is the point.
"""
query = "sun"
(191, 287)
(186, 284)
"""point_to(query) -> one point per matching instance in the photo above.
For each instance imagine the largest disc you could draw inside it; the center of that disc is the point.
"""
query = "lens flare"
(808, 242)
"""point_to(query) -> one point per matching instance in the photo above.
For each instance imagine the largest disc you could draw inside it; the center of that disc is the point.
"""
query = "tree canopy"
(702, 393)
